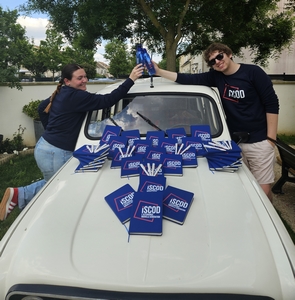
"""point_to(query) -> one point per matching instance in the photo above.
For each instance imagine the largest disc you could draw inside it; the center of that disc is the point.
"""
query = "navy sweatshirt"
(68, 110)
(246, 95)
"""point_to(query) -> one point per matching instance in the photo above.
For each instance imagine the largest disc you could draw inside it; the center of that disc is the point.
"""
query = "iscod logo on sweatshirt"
(233, 93)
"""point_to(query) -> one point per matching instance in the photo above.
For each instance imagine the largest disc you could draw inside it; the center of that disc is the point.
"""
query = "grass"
(18, 171)
(288, 139)
(289, 229)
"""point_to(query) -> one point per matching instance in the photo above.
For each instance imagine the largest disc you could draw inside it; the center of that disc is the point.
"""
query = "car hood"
(223, 246)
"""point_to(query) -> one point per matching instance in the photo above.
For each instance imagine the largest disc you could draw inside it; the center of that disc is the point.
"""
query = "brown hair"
(67, 72)
(216, 47)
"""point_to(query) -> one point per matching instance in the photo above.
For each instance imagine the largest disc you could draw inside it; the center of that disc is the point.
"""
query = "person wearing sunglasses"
(250, 104)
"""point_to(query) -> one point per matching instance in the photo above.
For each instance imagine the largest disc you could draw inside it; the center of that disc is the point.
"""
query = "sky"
(35, 26)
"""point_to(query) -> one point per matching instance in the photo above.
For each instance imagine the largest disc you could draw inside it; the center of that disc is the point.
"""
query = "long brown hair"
(67, 72)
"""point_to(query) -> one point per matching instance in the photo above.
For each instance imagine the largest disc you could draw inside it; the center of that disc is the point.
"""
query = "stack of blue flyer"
(109, 131)
(147, 214)
(120, 201)
(201, 132)
(172, 164)
(155, 153)
(152, 167)
(141, 146)
(176, 204)
(154, 137)
(194, 142)
(223, 155)
(189, 158)
(186, 148)
(91, 157)
(130, 165)
(169, 145)
(176, 133)
(152, 184)
(116, 142)
(124, 153)
(131, 135)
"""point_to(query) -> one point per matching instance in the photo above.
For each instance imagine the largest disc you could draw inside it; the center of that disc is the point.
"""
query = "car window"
(157, 112)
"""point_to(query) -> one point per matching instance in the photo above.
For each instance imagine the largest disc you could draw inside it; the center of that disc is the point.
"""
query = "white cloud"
(99, 57)
(99, 53)
(35, 28)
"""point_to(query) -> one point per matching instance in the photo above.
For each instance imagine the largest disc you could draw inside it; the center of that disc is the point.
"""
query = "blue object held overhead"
(142, 57)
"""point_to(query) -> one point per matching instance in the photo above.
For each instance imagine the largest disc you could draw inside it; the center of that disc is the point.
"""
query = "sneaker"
(8, 203)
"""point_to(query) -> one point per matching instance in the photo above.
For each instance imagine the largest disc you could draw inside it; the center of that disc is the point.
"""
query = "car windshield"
(157, 112)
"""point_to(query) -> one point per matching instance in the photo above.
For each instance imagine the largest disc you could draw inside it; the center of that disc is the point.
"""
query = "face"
(220, 61)
(78, 81)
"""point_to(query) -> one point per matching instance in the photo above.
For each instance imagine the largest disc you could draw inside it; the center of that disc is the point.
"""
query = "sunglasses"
(212, 61)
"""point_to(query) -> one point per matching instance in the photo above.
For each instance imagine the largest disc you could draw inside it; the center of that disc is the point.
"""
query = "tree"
(175, 27)
(116, 52)
(14, 47)
(53, 53)
(84, 57)
(163, 64)
(75, 55)
(35, 62)
(51, 50)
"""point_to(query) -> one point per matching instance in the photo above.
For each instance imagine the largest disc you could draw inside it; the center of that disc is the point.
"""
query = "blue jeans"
(49, 160)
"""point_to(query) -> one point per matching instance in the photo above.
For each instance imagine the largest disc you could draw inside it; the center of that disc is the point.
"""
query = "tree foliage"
(175, 27)
(51, 49)
(74, 53)
(35, 62)
(14, 47)
(54, 52)
(116, 52)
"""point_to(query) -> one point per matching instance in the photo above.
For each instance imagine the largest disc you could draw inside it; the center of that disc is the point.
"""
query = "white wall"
(286, 93)
(12, 101)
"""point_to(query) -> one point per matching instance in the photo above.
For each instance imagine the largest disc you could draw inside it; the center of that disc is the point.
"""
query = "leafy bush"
(31, 109)
(17, 142)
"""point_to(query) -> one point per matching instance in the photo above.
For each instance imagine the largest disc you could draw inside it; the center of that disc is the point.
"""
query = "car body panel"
(232, 240)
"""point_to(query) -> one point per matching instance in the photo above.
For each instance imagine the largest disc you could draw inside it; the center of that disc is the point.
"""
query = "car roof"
(160, 84)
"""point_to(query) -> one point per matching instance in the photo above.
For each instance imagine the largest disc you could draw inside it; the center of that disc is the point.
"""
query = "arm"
(164, 73)
(206, 78)
(43, 115)
(272, 125)
(83, 101)
(270, 101)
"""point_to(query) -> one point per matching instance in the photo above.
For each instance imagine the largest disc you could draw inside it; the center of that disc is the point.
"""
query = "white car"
(68, 243)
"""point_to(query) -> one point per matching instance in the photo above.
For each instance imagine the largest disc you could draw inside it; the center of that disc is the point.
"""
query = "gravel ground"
(284, 203)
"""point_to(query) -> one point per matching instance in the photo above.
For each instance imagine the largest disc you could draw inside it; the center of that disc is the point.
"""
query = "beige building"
(192, 64)
(103, 69)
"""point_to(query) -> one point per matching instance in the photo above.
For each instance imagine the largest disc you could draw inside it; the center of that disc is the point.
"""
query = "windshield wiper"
(114, 122)
(150, 122)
